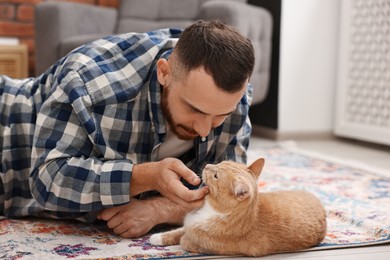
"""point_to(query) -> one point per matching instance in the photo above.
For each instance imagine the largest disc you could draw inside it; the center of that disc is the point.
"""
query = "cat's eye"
(215, 175)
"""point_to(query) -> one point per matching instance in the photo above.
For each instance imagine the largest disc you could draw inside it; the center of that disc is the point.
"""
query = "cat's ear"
(257, 166)
(241, 190)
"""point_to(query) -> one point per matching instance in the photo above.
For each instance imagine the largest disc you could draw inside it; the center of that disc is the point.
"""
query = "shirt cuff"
(115, 182)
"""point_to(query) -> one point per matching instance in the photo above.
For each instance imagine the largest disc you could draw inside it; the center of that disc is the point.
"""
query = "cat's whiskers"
(201, 185)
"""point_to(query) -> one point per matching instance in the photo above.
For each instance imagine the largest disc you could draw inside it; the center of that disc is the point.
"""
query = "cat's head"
(231, 183)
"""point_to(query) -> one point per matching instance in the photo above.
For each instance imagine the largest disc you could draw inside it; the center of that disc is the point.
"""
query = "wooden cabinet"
(14, 61)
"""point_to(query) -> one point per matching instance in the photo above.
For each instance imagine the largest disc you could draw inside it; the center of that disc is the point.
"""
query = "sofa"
(62, 26)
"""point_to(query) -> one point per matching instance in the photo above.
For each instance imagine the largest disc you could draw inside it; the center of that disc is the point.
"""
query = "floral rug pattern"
(357, 203)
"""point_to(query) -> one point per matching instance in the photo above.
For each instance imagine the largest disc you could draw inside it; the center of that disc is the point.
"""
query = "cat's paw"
(156, 240)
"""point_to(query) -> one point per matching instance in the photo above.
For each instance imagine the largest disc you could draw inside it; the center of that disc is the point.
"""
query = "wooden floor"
(380, 252)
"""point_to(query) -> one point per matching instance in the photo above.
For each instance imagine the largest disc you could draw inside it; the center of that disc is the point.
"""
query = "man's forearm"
(139, 216)
(142, 178)
(168, 211)
(60, 186)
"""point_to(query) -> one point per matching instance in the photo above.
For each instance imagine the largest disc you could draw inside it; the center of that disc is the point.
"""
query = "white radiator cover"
(363, 87)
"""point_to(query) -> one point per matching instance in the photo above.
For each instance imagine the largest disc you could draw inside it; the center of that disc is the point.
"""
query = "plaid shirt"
(70, 137)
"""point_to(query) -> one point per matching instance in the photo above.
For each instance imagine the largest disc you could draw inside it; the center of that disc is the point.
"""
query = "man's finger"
(114, 222)
(200, 193)
(107, 214)
(181, 169)
(186, 194)
(181, 192)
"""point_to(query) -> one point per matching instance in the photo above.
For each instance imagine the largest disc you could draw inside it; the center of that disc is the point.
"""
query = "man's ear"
(163, 72)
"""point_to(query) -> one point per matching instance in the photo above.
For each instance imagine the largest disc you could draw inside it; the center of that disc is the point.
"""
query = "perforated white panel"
(363, 90)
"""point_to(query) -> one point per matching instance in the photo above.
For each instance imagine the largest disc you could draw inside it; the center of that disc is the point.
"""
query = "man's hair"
(225, 54)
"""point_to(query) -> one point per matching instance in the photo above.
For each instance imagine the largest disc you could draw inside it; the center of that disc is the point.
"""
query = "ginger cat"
(236, 219)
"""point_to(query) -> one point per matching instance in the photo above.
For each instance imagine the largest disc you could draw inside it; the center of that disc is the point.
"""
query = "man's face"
(195, 105)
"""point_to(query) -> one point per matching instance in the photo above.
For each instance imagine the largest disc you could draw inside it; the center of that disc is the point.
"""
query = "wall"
(300, 101)
(307, 70)
(17, 20)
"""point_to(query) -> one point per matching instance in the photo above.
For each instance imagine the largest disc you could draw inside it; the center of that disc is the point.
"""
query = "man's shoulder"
(121, 44)
(116, 67)
(163, 38)
(164, 33)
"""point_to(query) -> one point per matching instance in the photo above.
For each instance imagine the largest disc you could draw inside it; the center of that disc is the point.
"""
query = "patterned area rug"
(357, 202)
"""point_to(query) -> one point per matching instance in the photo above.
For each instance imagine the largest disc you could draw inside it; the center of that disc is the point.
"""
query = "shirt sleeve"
(70, 170)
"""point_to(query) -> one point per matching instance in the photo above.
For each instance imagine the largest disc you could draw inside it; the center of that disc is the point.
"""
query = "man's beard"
(186, 133)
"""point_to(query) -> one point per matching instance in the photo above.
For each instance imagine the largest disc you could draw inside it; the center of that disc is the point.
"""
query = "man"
(121, 128)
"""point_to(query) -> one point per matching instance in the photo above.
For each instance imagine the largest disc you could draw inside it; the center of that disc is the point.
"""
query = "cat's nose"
(208, 167)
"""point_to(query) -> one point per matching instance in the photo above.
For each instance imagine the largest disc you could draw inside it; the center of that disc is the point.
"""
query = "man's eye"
(193, 110)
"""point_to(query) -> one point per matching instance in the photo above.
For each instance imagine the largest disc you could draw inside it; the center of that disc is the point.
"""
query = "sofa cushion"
(160, 9)
(143, 25)
(146, 15)
(73, 42)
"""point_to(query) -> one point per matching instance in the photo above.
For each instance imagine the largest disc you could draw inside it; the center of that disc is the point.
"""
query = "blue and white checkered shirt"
(70, 137)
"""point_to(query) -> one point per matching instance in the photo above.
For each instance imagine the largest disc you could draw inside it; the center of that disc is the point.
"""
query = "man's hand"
(140, 216)
(164, 176)
(131, 220)
(170, 186)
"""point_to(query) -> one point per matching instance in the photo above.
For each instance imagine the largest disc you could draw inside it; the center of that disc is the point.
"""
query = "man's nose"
(203, 126)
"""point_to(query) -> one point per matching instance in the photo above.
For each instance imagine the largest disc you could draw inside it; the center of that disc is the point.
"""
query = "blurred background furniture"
(63, 26)
(14, 61)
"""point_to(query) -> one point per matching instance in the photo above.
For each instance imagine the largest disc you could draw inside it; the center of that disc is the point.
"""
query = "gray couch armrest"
(55, 21)
(255, 23)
